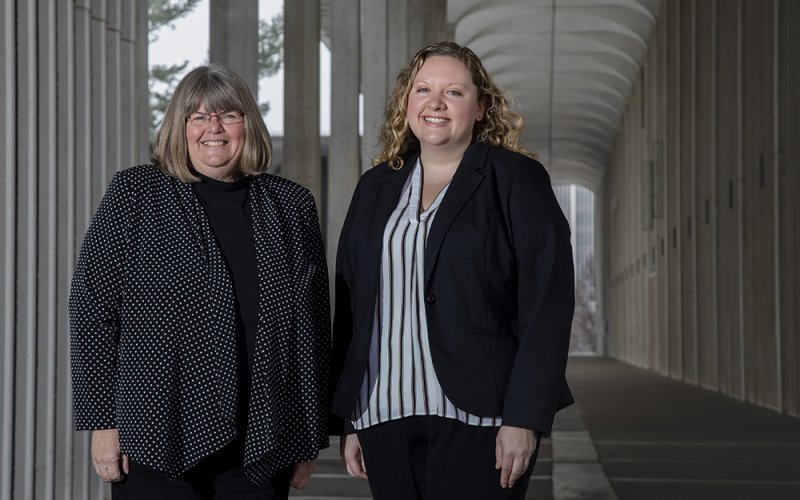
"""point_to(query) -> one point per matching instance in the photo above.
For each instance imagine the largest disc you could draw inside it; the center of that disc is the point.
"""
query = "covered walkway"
(680, 117)
(635, 435)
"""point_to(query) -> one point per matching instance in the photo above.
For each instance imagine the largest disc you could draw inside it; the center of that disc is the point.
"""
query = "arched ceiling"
(569, 67)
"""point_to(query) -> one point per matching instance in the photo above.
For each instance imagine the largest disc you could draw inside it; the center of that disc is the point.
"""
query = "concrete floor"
(634, 435)
(657, 438)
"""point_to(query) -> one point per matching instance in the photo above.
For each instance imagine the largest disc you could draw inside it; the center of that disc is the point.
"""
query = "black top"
(228, 209)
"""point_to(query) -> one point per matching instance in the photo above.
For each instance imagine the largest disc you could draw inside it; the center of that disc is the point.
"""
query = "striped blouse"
(400, 380)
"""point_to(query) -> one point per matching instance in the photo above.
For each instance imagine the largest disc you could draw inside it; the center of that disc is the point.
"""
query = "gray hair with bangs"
(219, 89)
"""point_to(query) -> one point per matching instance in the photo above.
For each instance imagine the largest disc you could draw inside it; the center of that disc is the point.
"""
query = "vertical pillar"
(687, 220)
(397, 43)
(416, 29)
(301, 143)
(344, 159)
(727, 142)
(128, 83)
(25, 328)
(83, 114)
(788, 184)
(61, 76)
(374, 73)
(761, 335)
(7, 235)
(428, 24)
(66, 242)
(83, 179)
(391, 33)
(141, 73)
(99, 101)
(705, 194)
(114, 160)
(600, 269)
(234, 37)
(46, 267)
(436, 27)
(673, 190)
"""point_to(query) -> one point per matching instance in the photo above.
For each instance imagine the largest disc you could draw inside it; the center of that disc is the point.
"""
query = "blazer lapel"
(465, 181)
(194, 214)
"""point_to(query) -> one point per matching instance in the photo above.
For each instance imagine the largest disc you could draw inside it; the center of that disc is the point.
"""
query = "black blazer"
(499, 287)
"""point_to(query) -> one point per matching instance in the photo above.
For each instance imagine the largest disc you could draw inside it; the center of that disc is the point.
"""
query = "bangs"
(215, 95)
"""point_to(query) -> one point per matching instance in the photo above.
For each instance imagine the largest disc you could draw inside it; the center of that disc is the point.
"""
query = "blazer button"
(430, 298)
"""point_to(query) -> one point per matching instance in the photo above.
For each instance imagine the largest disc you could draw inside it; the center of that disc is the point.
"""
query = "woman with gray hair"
(199, 312)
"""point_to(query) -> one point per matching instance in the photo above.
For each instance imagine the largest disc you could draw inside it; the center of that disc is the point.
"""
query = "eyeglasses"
(226, 117)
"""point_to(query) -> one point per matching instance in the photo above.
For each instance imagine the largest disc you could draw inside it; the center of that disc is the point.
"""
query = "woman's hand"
(513, 450)
(109, 462)
(350, 451)
(302, 473)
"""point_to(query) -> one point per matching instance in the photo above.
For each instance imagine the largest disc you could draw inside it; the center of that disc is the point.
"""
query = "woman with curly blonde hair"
(454, 294)
(500, 127)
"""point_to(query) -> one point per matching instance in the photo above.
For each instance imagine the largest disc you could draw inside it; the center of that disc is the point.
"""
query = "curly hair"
(499, 127)
(219, 89)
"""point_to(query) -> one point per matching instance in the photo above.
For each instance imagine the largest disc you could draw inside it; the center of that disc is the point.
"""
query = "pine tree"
(164, 77)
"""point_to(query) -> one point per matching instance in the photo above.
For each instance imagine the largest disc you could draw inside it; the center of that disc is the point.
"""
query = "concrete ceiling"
(569, 67)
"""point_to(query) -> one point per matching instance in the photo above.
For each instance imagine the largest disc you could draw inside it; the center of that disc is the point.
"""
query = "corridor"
(670, 127)
(635, 435)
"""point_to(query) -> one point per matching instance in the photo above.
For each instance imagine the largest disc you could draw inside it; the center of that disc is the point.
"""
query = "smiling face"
(443, 106)
(215, 148)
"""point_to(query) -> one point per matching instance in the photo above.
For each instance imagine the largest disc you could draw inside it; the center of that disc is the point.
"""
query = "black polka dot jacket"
(153, 328)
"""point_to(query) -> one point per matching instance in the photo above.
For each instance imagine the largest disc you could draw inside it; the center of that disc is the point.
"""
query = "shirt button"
(430, 298)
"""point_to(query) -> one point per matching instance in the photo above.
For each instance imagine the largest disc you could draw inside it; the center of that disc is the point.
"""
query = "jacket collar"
(466, 180)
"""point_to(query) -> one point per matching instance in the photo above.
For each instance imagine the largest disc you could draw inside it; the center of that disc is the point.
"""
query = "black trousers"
(219, 477)
(435, 458)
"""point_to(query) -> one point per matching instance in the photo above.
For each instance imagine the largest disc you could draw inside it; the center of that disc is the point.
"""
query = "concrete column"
(114, 63)
(374, 73)
(24, 413)
(66, 242)
(301, 144)
(705, 194)
(397, 43)
(427, 24)
(128, 82)
(392, 32)
(83, 115)
(788, 182)
(416, 29)
(234, 37)
(99, 100)
(673, 186)
(728, 139)
(83, 483)
(62, 76)
(686, 221)
(47, 331)
(7, 234)
(599, 272)
(141, 91)
(344, 159)
(761, 338)
(436, 27)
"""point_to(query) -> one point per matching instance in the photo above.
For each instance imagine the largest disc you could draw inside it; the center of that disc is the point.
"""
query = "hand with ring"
(109, 462)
